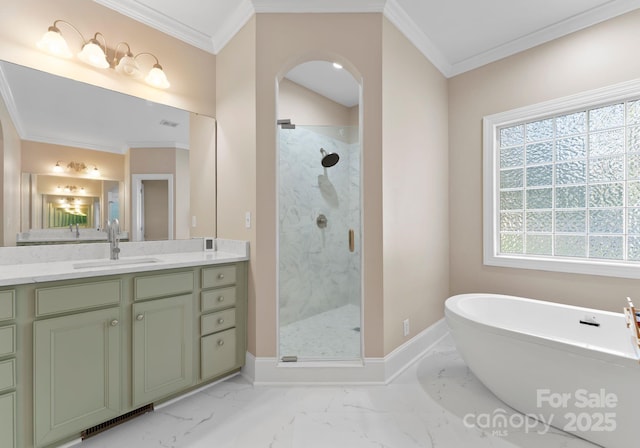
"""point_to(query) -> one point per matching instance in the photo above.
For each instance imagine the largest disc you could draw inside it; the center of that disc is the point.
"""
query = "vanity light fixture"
(95, 53)
(77, 166)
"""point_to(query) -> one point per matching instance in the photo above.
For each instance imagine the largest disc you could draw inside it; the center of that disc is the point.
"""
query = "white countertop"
(142, 261)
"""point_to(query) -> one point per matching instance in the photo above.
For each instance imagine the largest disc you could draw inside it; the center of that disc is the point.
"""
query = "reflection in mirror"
(47, 120)
(65, 201)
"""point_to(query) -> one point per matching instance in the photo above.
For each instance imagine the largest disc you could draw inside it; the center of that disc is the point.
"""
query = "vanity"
(89, 343)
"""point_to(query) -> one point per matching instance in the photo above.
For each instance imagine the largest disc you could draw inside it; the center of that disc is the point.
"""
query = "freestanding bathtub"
(539, 358)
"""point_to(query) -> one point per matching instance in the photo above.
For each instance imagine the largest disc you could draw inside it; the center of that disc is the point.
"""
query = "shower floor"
(333, 334)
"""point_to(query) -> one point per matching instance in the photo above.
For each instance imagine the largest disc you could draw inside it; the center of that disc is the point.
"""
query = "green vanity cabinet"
(222, 347)
(8, 377)
(76, 360)
(77, 355)
(162, 348)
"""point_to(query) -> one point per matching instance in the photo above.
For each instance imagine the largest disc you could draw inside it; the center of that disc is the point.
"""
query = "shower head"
(328, 160)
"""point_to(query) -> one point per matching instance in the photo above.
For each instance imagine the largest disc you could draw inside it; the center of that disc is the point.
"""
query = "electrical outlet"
(405, 327)
(247, 220)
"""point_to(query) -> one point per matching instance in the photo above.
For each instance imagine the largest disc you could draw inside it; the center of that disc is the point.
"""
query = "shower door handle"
(351, 240)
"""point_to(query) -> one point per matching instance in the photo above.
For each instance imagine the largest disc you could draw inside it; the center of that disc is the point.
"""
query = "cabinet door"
(162, 347)
(218, 354)
(76, 373)
(8, 420)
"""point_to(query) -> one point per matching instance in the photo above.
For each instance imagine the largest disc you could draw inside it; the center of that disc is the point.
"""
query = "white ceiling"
(455, 35)
(51, 109)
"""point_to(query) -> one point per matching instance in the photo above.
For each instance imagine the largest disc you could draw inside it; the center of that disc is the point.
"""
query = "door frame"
(137, 215)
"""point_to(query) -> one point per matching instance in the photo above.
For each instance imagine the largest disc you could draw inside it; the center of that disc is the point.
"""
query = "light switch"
(247, 220)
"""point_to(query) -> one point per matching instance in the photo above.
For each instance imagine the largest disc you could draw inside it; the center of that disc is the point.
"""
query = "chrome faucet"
(113, 235)
(77, 230)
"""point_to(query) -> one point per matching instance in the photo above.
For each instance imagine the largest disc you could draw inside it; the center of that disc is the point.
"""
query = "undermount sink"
(111, 263)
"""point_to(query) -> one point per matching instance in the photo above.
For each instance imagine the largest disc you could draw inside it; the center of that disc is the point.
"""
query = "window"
(562, 184)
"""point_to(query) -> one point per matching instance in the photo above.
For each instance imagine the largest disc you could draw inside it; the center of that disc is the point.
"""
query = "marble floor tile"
(425, 407)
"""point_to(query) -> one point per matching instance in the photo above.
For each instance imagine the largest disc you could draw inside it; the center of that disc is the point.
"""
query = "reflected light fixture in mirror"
(77, 167)
(94, 53)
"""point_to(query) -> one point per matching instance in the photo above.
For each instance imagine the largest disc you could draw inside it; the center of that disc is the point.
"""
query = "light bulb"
(157, 78)
(128, 66)
(57, 168)
(93, 55)
(53, 43)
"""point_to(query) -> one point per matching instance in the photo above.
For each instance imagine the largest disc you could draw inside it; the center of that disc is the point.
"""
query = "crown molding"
(399, 17)
(73, 143)
(310, 6)
(161, 22)
(238, 18)
(391, 9)
(10, 103)
(575, 23)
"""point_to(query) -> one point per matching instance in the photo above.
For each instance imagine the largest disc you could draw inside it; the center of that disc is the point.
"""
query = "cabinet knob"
(140, 317)
(220, 342)
(221, 299)
(114, 322)
(221, 321)
(220, 276)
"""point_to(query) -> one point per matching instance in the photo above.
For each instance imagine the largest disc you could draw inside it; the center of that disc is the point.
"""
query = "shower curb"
(370, 371)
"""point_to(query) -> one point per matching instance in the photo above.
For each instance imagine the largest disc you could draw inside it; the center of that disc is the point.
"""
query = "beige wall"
(202, 169)
(40, 158)
(181, 211)
(190, 70)
(415, 189)
(595, 57)
(305, 107)
(236, 119)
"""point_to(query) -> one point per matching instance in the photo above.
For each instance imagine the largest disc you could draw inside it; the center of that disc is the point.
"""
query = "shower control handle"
(321, 221)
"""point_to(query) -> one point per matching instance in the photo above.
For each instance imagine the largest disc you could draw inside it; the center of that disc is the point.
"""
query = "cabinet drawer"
(218, 353)
(218, 298)
(162, 285)
(8, 420)
(221, 320)
(7, 340)
(7, 305)
(7, 375)
(218, 276)
(61, 299)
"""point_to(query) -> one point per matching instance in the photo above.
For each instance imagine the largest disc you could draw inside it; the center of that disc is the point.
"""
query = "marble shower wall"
(317, 271)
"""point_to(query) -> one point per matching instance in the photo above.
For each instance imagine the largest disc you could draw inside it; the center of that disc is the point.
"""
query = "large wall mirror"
(79, 147)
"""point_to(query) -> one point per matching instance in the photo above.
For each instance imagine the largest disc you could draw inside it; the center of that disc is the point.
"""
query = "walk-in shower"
(319, 243)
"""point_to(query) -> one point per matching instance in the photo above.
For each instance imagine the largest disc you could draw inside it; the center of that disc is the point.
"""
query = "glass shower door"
(319, 244)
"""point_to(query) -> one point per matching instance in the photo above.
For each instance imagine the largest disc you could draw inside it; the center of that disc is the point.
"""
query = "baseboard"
(270, 371)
